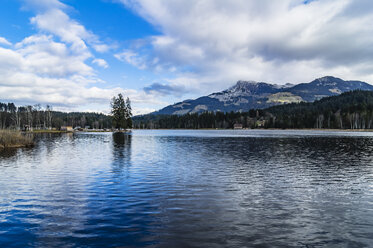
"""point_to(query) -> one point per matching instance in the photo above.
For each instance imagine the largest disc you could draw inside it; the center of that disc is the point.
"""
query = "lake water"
(244, 188)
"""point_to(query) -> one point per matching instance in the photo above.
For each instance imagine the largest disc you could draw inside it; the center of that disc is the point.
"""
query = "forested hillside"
(350, 110)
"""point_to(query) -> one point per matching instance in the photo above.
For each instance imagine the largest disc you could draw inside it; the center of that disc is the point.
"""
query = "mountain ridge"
(246, 95)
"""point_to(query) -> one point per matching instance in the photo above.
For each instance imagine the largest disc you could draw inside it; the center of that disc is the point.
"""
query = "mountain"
(246, 95)
(326, 86)
(349, 110)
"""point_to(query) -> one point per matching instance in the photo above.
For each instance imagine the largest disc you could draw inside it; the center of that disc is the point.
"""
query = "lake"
(189, 188)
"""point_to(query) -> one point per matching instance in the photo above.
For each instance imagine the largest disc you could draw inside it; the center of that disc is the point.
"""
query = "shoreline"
(206, 129)
(16, 146)
(58, 131)
(272, 129)
(46, 131)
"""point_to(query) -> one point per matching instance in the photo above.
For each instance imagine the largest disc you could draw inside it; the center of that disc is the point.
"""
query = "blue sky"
(114, 24)
(75, 55)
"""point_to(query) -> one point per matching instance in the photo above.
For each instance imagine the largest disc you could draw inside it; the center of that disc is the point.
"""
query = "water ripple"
(189, 189)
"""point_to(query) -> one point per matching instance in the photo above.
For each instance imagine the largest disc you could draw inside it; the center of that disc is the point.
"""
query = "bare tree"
(29, 116)
(49, 116)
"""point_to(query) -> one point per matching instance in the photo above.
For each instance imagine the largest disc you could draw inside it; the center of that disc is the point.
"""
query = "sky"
(76, 55)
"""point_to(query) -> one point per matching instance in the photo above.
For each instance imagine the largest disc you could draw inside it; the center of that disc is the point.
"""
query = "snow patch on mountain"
(181, 105)
(243, 89)
(335, 90)
(199, 108)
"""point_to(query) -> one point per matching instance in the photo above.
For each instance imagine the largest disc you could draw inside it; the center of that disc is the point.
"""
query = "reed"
(12, 138)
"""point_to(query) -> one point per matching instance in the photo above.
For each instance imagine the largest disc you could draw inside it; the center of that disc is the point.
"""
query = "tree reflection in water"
(121, 152)
(7, 152)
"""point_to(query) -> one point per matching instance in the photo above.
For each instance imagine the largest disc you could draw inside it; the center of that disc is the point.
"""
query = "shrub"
(10, 138)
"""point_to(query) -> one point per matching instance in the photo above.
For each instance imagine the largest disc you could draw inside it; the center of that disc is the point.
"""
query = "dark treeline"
(196, 121)
(350, 110)
(38, 117)
(82, 119)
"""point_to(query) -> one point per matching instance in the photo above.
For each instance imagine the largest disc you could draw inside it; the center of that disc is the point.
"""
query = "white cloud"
(214, 43)
(50, 67)
(40, 70)
(5, 41)
(101, 48)
(132, 58)
(42, 5)
(100, 62)
(43, 56)
(57, 22)
(141, 111)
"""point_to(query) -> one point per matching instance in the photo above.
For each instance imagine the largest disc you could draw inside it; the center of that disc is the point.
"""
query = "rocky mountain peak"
(245, 88)
(242, 83)
(328, 80)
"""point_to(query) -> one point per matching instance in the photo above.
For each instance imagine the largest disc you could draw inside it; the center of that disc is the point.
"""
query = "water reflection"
(122, 148)
(121, 152)
(122, 139)
(183, 189)
(6, 153)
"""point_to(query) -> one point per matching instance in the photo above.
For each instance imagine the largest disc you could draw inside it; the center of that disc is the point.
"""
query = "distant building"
(78, 128)
(67, 128)
(260, 123)
(237, 126)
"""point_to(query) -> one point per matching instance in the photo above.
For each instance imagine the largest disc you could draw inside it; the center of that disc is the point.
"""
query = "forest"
(38, 117)
(350, 110)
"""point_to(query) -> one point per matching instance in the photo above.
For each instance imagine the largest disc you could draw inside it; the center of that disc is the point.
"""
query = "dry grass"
(10, 138)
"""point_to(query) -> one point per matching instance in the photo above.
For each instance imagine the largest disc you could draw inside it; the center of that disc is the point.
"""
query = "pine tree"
(121, 112)
(129, 113)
